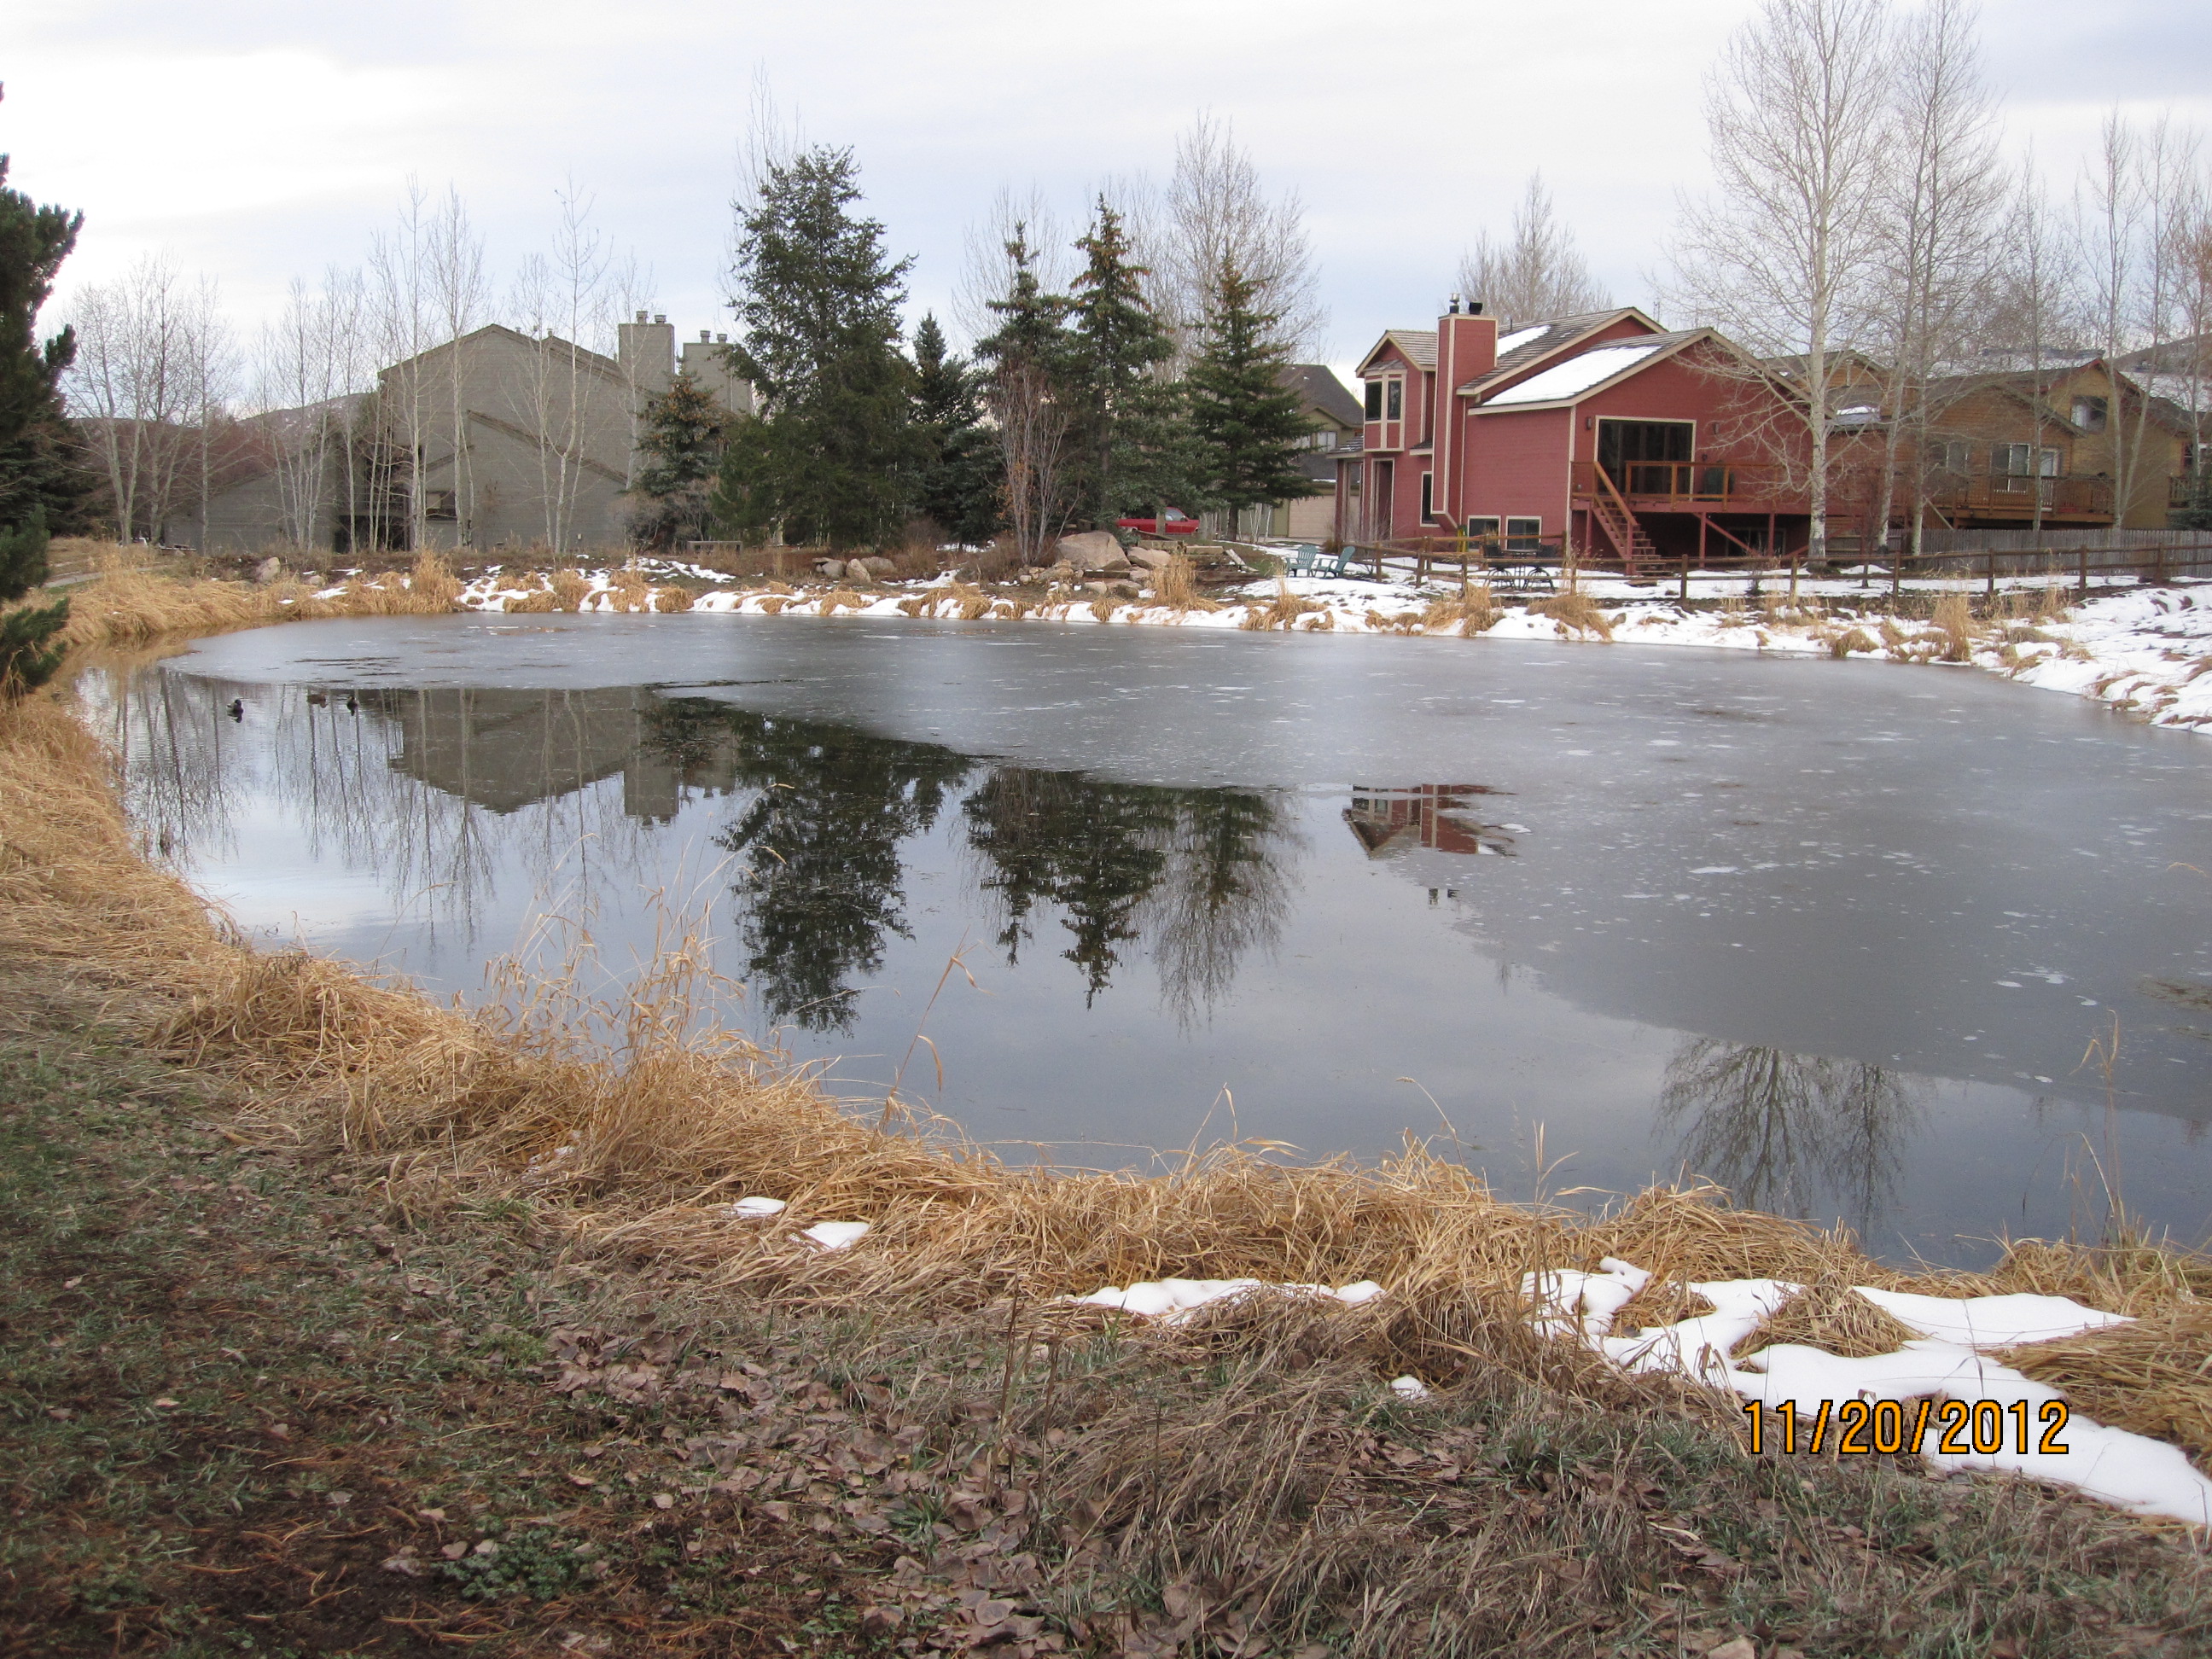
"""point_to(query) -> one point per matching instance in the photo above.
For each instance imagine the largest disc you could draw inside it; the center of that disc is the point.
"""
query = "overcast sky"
(258, 139)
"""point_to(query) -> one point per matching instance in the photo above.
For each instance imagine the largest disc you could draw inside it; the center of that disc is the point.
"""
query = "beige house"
(1329, 404)
(498, 439)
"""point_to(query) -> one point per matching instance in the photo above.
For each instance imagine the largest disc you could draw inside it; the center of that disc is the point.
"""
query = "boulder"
(1094, 549)
(1149, 558)
(878, 568)
(268, 570)
(833, 568)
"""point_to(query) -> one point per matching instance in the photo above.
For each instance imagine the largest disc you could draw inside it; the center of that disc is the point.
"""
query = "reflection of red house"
(1430, 816)
(1603, 428)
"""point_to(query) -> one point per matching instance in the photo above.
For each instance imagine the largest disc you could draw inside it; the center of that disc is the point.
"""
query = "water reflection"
(1780, 1131)
(1437, 817)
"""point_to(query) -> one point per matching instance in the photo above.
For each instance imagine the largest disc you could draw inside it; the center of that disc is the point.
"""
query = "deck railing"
(1646, 482)
(1954, 493)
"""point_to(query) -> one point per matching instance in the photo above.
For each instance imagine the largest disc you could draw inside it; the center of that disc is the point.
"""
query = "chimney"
(659, 316)
(640, 316)
(1467, 346)
(722, 339)
(1452, 309)
(706, 336)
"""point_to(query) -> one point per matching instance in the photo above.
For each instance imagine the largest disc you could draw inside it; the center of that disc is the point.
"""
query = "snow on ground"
(1948, 1362)
(2146, 651)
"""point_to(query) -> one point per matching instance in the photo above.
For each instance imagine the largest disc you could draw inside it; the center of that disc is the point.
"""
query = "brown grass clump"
(1954, 621)
(672, 598)
(1177, 587)
(842, 598)
(1843, 644)
(1284, 610)
(1575, 612)
(2153, 1376)
(531, 605)
(570, 590)
(1830, 1314)
(1475, 611)
(132, 603)
(631, 592)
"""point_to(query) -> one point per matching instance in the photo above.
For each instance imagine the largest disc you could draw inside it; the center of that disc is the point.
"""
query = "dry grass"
(570, 588)
(1284, 610)
(1177, 587)
(1575, 612)
(538, 604)
(630, 590)
(2153, 1376)
(1954, 621)
(672, 598)
(1475, 611)
(130, 602)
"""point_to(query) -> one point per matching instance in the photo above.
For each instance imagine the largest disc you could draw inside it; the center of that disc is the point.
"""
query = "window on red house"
(1397, 401)
(1375, 400)
(1428, 498)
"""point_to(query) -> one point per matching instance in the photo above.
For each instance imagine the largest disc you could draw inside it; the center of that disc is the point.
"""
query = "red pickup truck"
(1178, 524)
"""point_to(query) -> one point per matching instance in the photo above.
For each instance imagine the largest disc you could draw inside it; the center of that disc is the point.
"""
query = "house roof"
(499, 333)
(1523, 348)
(1321, 392)
(2029, 385)
(1576, 376)
(1419, 345)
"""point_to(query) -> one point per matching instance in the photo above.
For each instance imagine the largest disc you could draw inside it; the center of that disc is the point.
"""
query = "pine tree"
(682, 443)
(835, 456)
(1128, 427)
(1247, 424)
(37, 481)
(958, 486)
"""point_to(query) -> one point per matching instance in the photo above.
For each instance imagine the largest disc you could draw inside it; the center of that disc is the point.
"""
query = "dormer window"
(2089, 414)
(1395, 405)
(1375, 400)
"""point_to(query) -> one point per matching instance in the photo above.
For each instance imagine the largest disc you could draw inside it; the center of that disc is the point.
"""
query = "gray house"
(498, 439)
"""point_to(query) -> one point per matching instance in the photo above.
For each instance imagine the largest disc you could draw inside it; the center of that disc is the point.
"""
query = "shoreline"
(2143, 652)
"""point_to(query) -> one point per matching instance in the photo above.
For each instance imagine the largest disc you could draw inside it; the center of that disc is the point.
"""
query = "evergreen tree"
(958, 485)
(1246, 423)
(37, 481)
(835, 456)
(682, 443)
(2197, 514)
(1129, 424)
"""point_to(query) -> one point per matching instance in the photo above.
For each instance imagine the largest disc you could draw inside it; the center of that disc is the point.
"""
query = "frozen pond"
(1838, 935)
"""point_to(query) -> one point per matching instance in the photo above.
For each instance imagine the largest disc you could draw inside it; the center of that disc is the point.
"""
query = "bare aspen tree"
(1215, 214)
(404, 325)
(2036, 299)
(1941, 215)
(564, 297)
(2186, 367)
(1781, 252)
(134, 388)
(305, 378)
(1537, 272)
(213, 369)
(989, 267)
(455, 256)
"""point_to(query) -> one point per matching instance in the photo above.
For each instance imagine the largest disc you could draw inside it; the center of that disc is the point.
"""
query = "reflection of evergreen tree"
(822, 842)
(1193, 864)
(1774, 1126)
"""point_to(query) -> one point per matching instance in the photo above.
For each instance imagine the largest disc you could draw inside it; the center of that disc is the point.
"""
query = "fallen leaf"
(165, 1402)
(582, 1477)
(662, 1500)
(406, 1565)
(1741, 1648)
(431, 1514)
(454, 1551)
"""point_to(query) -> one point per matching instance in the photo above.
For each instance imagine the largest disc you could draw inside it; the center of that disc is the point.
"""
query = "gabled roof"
(1320, 391)
(2028, 385)
(1419, 345)
(1523, 347)
(1575, 377)
(499, 334)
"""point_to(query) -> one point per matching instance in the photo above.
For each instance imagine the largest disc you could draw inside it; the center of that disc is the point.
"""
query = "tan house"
(1329, 404)
(498, 439)
(2072, 446)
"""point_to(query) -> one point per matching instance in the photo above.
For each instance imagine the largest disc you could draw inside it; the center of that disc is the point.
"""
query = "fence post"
(2082, 590)
(1990, 574)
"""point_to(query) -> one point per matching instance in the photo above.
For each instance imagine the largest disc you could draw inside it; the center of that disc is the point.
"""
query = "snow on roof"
(1577, 374)
(1521, 337)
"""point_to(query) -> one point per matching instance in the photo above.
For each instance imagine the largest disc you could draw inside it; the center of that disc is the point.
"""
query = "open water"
(1852, 940)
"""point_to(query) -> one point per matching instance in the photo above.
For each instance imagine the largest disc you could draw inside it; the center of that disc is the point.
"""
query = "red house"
(1604, 433)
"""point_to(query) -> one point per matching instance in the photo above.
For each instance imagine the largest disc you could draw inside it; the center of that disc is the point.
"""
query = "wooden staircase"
(1638, 553)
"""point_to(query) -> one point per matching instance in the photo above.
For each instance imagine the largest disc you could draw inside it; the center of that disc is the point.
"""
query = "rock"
(268, 570)
(1149, 558)
(876, 569)
(1094, 549)
(833, 568)
(1126, 590)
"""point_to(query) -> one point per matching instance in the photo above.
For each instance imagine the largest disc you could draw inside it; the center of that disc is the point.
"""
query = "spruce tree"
(37, 480)
(1246, 423)
(682, 442)
(958, 486)
(1129, 425)
(833, 457)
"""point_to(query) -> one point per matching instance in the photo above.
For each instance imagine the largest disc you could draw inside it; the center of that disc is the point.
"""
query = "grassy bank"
(1246, 1485)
